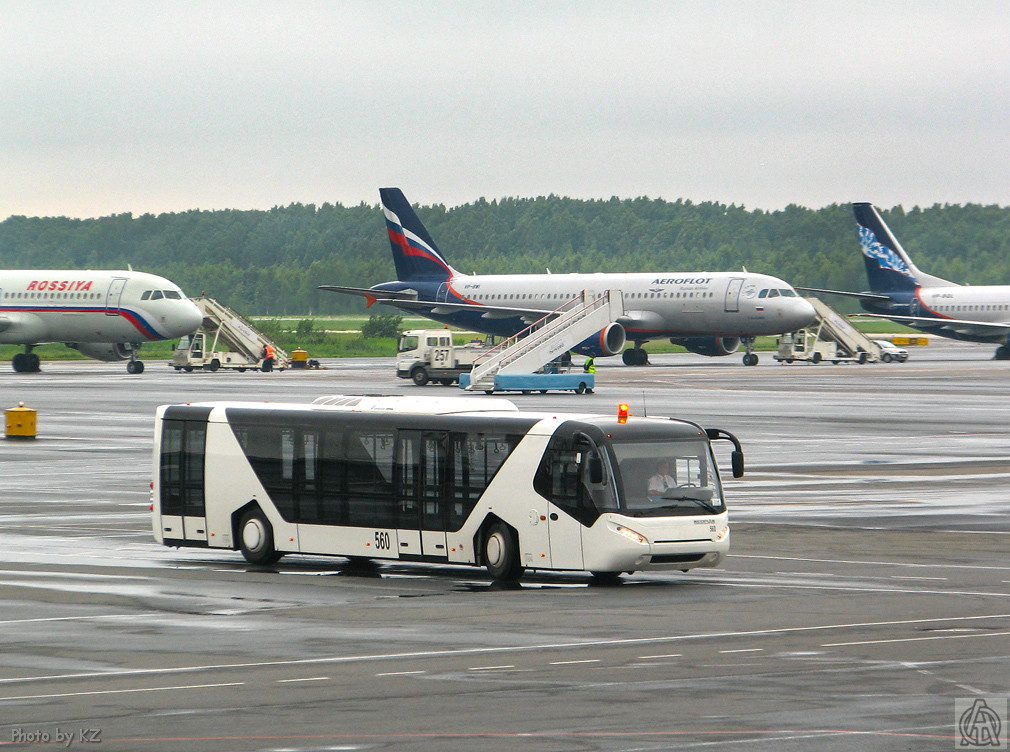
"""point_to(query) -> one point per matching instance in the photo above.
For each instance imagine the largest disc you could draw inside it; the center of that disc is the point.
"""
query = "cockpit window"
(146, 295)
(173, 295)
(788, 293)
(156, 295)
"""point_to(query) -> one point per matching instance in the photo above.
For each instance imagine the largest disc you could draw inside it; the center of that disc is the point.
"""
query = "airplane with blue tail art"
(709, 313)
(105, 315)
(903, 294)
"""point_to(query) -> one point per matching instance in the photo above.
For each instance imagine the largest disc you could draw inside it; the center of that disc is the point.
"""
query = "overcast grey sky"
(109, 107)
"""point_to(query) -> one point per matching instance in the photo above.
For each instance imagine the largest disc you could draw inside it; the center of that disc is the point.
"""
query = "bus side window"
(559, 479)
(433, 480)
(183, 447)
(332, 472)
(370, 478)
(171, 467)
(406, 479)
(307, 472)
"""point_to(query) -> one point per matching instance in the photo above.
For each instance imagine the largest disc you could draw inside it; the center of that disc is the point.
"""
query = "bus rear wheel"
(501, 553)
(256, 538)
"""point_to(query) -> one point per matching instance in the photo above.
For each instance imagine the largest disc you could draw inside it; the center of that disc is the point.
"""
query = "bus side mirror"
(736, 459)
(595, 470)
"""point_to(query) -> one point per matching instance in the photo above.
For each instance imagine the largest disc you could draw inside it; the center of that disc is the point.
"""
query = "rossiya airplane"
(902, 293)
(105, 315)
(709, 313)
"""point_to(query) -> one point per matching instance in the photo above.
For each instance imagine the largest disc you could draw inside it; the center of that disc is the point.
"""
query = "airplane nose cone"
(189, 320)
(804, 314)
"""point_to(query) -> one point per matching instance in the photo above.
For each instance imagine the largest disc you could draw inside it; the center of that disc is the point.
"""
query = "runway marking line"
(914, 639)
(306, 679)
(665, 655)
(851, 561)
(743, 650)
(121, 691)
(400, 673)
(453, 653)
(572, 663)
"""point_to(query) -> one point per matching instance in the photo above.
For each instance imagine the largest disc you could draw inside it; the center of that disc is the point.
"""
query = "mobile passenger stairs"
(532, 360)
(226, 340)
(833, 339)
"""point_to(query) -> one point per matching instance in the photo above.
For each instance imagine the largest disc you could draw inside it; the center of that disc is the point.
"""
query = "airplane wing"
(956, 325)
(846, 294)
(22, 328)
(408, 301)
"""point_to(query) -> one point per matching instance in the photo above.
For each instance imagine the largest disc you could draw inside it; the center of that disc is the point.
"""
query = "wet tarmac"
(867, 591)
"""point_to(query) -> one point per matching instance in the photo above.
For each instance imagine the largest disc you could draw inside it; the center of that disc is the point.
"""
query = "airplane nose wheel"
(749, 359)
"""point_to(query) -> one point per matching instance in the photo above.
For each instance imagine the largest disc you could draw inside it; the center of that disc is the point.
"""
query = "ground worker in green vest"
(590, 366)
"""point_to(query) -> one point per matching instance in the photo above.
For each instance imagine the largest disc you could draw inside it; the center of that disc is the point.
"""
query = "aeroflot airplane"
(709, 313)
(902, 293)
(105, 315)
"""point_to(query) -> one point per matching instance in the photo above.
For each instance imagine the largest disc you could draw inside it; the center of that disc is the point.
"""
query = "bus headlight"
(630, 534)
(723, 534)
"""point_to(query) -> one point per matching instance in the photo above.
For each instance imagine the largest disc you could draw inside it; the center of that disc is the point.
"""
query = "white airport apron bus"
(444, 479)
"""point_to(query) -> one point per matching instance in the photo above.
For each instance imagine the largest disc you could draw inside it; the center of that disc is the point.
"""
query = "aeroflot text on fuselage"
(682, 281)
(60, 285)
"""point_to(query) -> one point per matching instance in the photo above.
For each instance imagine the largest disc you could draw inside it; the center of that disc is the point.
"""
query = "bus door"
(569, 493)
(408, 479)
(434, 492)
(113, 295)
(181, 480)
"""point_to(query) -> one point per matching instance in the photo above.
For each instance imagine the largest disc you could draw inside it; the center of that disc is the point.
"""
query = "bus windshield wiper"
(694, 500)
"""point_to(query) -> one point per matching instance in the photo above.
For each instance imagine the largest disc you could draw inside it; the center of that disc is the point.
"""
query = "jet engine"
(710, 346)
(608, 341)
(106, 351)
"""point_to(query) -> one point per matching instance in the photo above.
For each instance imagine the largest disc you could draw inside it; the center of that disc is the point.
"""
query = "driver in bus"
(662, 480)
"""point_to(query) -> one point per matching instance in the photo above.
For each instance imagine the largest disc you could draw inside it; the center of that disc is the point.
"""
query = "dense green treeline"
(270, 262)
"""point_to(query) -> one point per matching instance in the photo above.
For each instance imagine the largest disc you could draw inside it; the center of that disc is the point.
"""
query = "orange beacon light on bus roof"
(623, 411)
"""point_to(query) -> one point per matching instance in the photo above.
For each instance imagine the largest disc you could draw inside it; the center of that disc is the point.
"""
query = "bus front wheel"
(257, 539)
(501, 553)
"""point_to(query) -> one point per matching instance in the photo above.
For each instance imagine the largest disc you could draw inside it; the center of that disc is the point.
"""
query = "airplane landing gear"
(26, 362)
(749, 358)
(635, 356)
(135, 365)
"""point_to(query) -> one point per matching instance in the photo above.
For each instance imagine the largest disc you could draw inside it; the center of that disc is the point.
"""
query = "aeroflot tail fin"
(888, 267)
(414, 252)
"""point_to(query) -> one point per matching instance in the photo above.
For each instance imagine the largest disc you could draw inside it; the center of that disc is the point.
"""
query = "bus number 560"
(382, 541)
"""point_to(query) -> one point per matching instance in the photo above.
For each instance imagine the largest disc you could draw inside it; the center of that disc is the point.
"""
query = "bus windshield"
(667, 478)
(408, 342)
